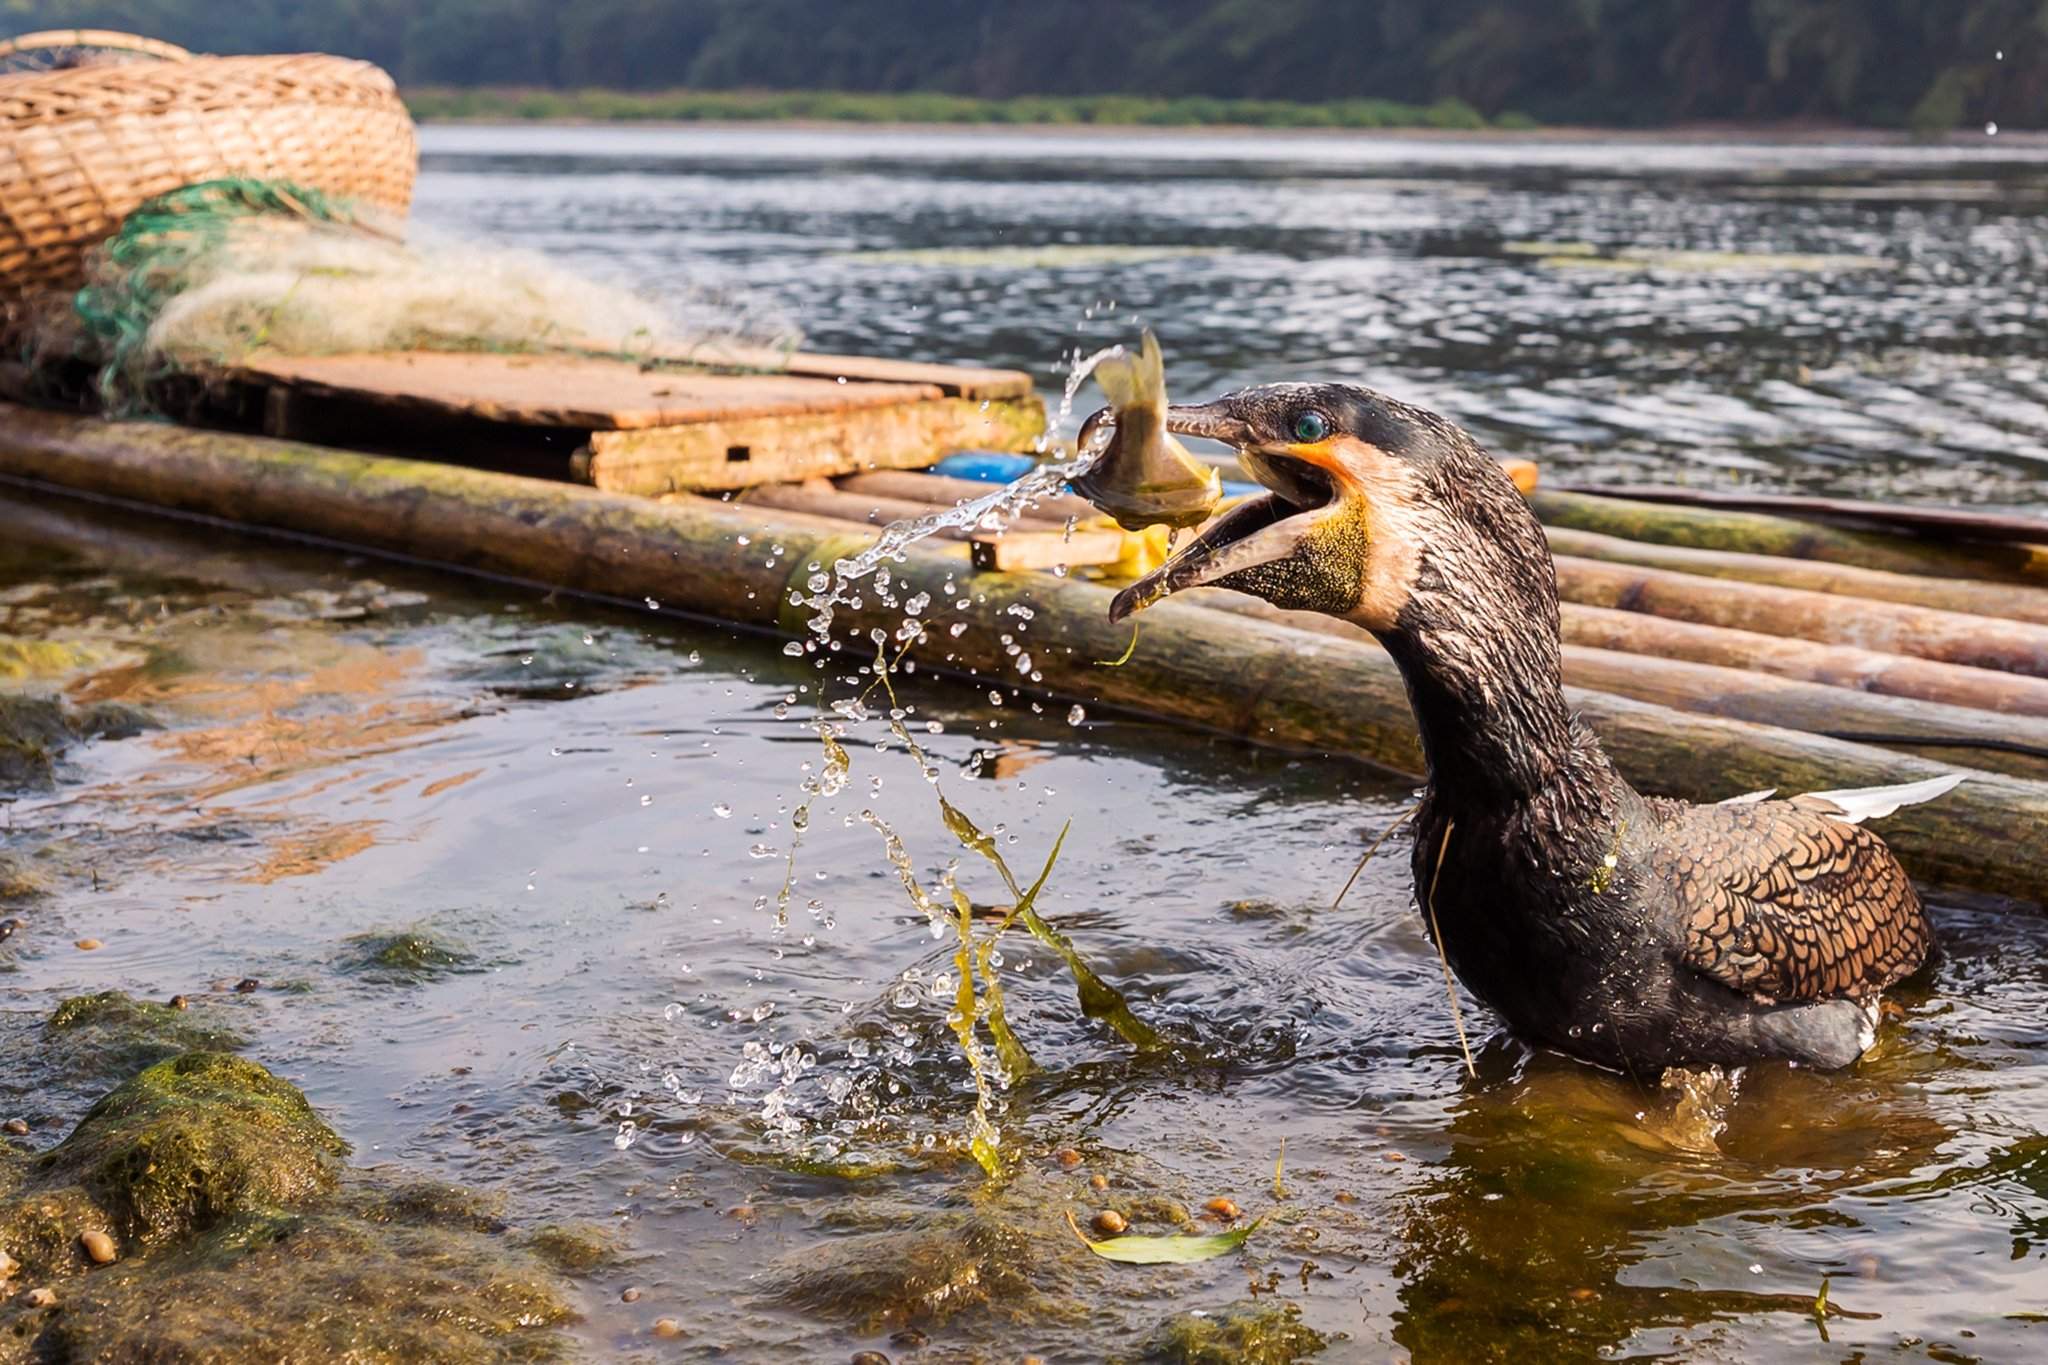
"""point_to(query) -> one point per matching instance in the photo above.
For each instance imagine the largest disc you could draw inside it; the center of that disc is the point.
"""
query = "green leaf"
(1183, 1250)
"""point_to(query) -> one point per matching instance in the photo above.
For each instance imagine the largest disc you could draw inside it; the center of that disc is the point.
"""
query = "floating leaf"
(1179, 1250)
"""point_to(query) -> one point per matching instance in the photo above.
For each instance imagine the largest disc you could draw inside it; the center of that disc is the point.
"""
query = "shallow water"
(1857, 319)
(584, 808)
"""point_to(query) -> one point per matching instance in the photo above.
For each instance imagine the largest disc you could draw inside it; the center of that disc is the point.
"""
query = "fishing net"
(204, 274)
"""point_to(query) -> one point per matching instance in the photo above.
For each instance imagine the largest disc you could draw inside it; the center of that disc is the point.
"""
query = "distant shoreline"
(1118, 115)
(1763, 134)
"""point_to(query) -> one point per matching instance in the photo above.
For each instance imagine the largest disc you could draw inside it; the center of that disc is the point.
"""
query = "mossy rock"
(407, 957)
(574, 1248)
(19, 881)
(33, 732)
(114, 1034)
(195, 1140)
(365, 1278)
(882, 1280)
(1242, 1334)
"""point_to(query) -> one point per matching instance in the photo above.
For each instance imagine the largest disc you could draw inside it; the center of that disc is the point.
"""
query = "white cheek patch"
(1400, 525)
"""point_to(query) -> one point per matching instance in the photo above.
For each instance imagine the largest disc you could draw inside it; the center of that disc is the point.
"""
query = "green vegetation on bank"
(690, 106)
(1930, 64)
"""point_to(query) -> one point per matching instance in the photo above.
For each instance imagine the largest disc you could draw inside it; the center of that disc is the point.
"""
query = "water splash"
(993, 511)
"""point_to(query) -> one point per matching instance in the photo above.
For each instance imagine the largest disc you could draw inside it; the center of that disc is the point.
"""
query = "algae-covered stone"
(574, 1248)
(324, 1284)
(113, 1034)
(33, 732)
(241, 1238)
(194, 1140)
(882, 1280)
(411, 956)
(1242, 1334)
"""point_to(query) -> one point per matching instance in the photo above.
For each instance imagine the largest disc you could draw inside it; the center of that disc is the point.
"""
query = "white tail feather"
(1751, 798)
(1856, 804)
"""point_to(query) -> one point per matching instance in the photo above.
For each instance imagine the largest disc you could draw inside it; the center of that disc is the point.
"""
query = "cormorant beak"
(1271, 547)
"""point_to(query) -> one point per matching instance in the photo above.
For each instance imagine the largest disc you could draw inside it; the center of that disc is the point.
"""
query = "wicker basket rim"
(111, 39)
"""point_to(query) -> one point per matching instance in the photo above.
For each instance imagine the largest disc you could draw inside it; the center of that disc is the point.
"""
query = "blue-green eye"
(1310, 427)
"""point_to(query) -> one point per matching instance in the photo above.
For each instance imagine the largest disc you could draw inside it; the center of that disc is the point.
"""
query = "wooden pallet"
(628, 428)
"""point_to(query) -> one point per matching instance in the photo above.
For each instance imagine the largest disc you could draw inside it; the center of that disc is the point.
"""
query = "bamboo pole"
(1841, 666)
(1960, 735)
(2009, 600)
(1250, 678)
(1757, 533)
(1921, 632)
(1953, 522)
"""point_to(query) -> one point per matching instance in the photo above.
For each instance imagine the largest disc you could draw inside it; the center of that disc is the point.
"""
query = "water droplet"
(653, 605)
(646, 800)
(794, 649)
(761, 851)
(624, 1138)
(722, 811)
(1076, 714)
(1991, 130)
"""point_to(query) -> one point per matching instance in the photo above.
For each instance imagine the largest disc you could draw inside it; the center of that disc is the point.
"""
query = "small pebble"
(87, 945)
(869, 1358)
(15, 1127)
(8, 1265)
(667, 1327)
(1392, 1156)
(1346, 1197)
(41, 1298)
(99, 1246)
(1223, 1208)
(1033, 1360)
(630, 1296)
(1110, 1221)
(248, 985)
(179, 1002)
(1098, 1183)
(1067, 1157)
(8, 928)
(1584, 1294)
(909, 1337)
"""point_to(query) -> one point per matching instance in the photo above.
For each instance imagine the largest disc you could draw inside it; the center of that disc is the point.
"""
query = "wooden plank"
(1014, 550)
(575, 392)
(954, 381)
(741, 452)
(1939, 521)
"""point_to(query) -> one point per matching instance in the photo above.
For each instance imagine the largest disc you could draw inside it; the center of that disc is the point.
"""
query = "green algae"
(190, 1142)
(243, 1238)
(926, 1272)
(406, 958)
(1242, 1334)
(328, 1284)
(574, 1248)
(112, 1034)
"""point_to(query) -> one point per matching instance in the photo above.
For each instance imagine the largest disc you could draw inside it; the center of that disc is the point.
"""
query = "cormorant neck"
(1477, 643)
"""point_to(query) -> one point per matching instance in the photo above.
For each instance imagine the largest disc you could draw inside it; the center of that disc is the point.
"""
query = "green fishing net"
(167, 246)
(198, 278)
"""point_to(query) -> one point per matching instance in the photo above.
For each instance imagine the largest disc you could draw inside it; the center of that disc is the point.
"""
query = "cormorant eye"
(1310, 427)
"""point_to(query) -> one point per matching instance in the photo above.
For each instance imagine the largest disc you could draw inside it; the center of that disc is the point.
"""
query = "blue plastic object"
(996, 466)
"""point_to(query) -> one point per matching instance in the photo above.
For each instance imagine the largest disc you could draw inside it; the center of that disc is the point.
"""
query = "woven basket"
(80, 148)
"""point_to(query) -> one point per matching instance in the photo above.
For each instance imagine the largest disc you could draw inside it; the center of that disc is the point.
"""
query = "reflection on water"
(1853, 318)
(490, 861)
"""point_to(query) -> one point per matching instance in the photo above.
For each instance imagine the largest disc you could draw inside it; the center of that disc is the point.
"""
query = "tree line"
(1921, 63)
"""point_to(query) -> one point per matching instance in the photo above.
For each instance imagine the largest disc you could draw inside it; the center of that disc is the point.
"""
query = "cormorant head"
(1364, 491)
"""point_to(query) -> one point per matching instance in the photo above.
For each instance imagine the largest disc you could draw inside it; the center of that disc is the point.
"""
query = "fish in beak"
(1303, 546)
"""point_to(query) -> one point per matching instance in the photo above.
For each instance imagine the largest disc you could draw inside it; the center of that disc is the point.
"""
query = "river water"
(586, 812)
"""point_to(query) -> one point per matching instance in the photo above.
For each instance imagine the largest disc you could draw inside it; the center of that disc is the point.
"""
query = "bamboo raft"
(1716, 651)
